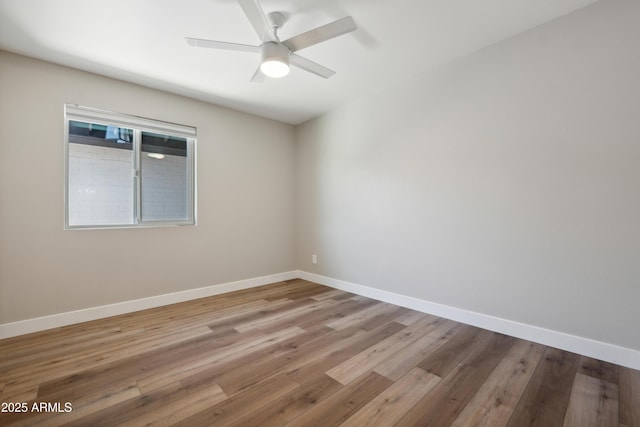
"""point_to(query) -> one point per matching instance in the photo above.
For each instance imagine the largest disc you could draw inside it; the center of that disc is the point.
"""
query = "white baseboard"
(22, 327)
(584, 346)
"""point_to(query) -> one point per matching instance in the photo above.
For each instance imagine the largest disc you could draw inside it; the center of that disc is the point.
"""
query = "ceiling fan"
(278, 55)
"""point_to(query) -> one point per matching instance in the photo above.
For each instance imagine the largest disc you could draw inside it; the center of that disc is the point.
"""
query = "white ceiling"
(142, 41)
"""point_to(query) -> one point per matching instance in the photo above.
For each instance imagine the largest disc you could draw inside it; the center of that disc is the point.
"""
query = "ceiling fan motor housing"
(275, 59)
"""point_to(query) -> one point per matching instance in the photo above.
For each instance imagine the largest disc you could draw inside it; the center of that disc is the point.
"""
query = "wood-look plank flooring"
(299, 354)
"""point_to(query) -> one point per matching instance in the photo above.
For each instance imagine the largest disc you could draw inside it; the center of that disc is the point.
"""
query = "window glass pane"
(125, 171)
(164, 172)
(100, 174)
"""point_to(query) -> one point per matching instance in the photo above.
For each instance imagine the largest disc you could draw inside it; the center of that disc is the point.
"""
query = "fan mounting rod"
(276, 19)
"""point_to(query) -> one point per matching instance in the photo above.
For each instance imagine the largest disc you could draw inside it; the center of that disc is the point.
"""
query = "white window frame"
(138, 124)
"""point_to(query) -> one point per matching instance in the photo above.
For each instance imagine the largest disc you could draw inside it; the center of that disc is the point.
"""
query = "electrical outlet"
(314, 259)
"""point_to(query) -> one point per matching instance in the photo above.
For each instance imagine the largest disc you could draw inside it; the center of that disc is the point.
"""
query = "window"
(126, 171)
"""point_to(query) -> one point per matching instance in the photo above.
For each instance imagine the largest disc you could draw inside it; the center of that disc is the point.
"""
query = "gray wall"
(506, 183)
(245, 199)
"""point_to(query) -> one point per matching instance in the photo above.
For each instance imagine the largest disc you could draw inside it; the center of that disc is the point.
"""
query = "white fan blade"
(221, 45)
(310, 66)
(320, 34)
(258, 77)
(256, 17)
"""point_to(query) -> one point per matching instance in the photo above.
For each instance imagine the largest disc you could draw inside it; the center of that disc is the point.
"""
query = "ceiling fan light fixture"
(274, 68)
(275, 60)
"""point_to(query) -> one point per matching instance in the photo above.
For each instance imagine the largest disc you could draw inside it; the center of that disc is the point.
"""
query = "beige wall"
(506, 183)
(245, 199)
